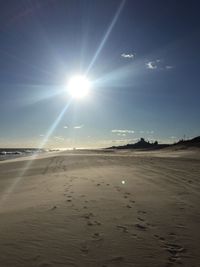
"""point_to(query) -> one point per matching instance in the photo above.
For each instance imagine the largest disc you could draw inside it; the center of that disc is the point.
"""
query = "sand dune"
(98, 208)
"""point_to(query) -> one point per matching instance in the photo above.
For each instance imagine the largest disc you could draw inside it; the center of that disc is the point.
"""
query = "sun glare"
(78, 86)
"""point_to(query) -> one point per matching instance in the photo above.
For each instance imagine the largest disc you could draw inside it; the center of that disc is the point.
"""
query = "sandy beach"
(101, 208)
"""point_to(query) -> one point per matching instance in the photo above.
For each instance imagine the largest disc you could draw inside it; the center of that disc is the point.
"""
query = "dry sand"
(72, 209)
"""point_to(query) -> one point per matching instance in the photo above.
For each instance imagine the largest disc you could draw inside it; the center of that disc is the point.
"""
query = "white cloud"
(168, 67)
(151, 65)
(121, 134)
(59, 138)
(65, 127)
(123, 131)
(158, 64)
(41, 135)
(78, 126)
(130, 56)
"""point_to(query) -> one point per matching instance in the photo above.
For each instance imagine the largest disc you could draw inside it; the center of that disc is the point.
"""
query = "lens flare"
(79, 86)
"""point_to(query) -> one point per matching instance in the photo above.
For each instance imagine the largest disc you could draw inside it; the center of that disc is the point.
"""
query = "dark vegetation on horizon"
(142, 144)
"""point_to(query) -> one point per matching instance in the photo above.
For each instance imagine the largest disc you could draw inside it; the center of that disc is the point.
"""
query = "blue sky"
(142, 58)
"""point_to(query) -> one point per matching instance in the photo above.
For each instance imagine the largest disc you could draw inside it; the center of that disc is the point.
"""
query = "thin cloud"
(130, 56)
(146, 132)
(59, 138)
(118, 131)
(158, 64)
(78, 126)
(168, 67)
(121, 134)
(126, 141)
(151, 65)
(65, 127)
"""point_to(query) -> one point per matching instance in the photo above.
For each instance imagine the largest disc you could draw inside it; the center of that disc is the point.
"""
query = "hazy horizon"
(104, 144)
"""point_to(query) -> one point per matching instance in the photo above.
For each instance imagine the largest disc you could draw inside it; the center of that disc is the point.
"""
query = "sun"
(79, 86)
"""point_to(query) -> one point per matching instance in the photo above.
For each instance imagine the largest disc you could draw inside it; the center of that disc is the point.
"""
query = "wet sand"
(101, 208)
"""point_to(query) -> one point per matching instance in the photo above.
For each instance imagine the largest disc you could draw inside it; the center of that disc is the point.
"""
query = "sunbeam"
(17, 180)
(106, 35)
(54, 125)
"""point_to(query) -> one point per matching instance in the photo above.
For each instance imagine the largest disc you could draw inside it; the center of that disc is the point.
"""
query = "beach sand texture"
(101, 208)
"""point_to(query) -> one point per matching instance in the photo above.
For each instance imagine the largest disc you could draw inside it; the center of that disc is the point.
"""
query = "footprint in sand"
(123, 228)
(88, 215)
(118, 188)
(84, 248)
(140, 219)
(97, 237)
(140, 226)
(141, 212)
(175, 252)
(91, 223)
(172, 234)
